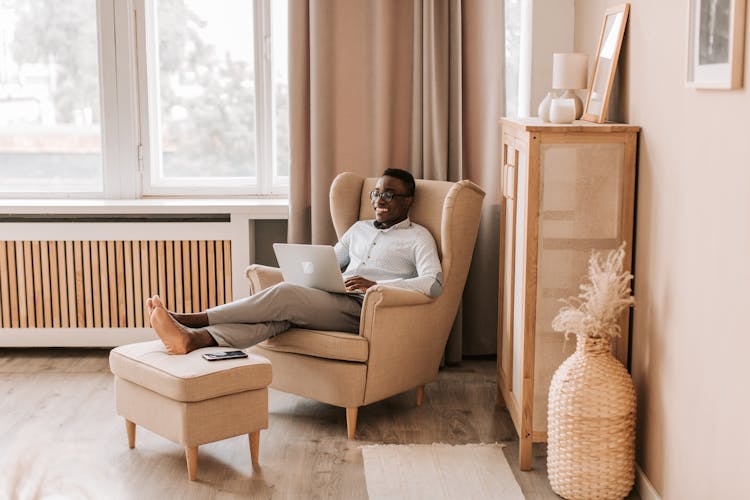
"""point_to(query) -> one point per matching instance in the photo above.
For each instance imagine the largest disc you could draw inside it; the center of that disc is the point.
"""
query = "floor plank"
(61, 436)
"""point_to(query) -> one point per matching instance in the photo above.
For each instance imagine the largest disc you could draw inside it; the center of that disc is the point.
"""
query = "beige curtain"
(394, 83)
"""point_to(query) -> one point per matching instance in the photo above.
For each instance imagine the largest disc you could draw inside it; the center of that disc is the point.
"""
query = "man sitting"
(390, 250)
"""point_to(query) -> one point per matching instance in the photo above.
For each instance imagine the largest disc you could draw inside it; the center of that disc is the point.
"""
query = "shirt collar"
(401, 225)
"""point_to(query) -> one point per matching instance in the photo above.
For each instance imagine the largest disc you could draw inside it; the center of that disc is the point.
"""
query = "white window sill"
(251, 208)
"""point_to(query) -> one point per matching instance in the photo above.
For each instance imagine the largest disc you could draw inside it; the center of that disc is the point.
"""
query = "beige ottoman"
(189, 400)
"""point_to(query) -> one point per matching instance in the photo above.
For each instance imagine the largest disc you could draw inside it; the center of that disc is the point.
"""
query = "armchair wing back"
(405, 331)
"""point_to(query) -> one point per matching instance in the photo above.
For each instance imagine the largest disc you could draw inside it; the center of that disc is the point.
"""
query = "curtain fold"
(411, 84)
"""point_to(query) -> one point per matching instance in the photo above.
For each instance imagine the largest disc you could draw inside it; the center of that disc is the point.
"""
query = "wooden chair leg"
(191, 454)
(351, 422)
(130, 427)
(420, 395)
(254, 446)
(525, 450)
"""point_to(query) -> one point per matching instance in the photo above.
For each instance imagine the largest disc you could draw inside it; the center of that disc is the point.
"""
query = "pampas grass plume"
(596, 310)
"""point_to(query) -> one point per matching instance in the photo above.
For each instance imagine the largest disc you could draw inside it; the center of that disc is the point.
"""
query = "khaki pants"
(246, 322)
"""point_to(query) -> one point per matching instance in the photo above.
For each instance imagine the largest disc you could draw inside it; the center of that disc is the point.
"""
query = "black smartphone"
(215, 356)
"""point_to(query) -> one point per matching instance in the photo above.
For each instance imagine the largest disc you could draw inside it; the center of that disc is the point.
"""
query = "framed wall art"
(716, 37)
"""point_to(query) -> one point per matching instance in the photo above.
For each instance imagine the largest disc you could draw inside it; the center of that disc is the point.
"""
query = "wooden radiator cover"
(104, 284)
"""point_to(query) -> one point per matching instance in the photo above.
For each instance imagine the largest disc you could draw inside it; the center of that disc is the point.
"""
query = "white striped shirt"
(403, 255)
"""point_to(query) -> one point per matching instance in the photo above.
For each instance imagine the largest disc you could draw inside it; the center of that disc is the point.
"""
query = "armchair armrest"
(262, 277)
(406, 331)
(392, 305)
(393, 296)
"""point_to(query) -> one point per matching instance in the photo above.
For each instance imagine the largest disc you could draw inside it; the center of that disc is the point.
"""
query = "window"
(174, 97)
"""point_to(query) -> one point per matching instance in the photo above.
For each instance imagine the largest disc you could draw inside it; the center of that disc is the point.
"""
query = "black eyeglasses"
(386, 196)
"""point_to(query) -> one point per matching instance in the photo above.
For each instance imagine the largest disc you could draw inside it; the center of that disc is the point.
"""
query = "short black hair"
(404, 177)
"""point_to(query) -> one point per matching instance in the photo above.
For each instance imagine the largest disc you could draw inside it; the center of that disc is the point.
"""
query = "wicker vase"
(591, 425)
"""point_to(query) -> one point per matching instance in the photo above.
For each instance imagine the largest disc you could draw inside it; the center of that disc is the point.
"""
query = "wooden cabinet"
(567, 190)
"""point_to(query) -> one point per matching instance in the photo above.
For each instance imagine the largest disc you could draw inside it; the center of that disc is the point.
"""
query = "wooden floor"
(60, 435)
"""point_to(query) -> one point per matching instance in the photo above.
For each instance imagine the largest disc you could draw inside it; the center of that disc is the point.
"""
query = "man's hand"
(358, 283)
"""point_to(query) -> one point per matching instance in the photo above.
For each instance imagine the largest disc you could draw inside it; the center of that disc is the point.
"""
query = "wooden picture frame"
(716, 35)
(605, 63)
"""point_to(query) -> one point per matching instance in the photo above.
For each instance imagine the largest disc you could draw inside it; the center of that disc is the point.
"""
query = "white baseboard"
(645, 489)
(73, 337)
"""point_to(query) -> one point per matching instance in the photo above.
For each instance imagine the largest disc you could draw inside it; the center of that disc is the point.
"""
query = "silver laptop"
(313, 266)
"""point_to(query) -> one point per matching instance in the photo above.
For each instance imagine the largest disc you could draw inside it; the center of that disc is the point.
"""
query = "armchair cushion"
(321, 344)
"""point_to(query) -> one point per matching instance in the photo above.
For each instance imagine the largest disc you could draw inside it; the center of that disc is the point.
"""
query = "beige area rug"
(439, 471)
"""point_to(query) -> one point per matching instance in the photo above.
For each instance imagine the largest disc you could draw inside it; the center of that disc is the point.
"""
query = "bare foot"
(176, 338)
(190, 320)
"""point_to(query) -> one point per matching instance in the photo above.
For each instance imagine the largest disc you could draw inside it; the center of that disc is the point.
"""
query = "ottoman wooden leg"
(191, 454)
(254, 446)
(130, 427)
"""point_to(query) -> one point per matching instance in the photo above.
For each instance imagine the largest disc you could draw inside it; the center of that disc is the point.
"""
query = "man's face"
(388, 213)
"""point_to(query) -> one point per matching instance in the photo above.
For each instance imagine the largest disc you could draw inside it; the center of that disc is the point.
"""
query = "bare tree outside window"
(50, 123)
(207, 88)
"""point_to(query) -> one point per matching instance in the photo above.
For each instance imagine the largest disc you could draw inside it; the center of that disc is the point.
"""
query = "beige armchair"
(402, 333)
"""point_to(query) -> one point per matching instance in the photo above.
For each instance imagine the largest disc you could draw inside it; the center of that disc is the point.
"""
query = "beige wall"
(691, 338)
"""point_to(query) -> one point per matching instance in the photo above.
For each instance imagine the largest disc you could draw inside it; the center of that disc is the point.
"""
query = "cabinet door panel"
(581, 191)
(510, 162)
(519, 270)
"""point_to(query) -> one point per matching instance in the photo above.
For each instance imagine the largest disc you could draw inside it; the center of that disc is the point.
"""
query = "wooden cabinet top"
(537, 125)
